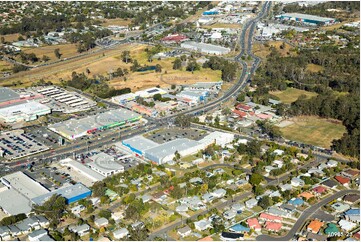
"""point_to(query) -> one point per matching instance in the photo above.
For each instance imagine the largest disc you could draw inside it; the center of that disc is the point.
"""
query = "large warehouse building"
(76, 128)
(163, 153)
(27, 111)
(206, 48)
(306, 18)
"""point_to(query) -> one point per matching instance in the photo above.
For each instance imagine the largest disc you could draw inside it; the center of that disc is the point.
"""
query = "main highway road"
(305, 215)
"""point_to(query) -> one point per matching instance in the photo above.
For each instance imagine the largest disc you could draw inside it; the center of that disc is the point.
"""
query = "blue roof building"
(239, 228)
(296, 202)
(211, 12)
(352, 212)
(71, 194)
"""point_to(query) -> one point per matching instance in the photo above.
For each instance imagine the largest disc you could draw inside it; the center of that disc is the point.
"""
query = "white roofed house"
(297, 182)
(251, 203)
(101, 222)
(4, 233)
(346, 225)
(219, 193)
(185, 231)
(80, 229)
(120, 233)
(37, 234)
(285, 187)
(202, 224)
(230, 214)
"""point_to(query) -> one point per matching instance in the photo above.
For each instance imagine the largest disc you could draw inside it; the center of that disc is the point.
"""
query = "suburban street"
(305, 215)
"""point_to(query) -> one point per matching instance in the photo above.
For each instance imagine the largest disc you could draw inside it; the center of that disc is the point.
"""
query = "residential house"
(278, 163)
(208, 197)
(343, 180)
(278, 152)
(353, 215)
(251, 203)
(331, 230)
(316, 237)
(146, 198)
(219, 193)
(120, 233)
(36, 234)
(296, 202)
(185, 231)
(269, 217)
(315, 172)
(273, 226)
(239, 228)
(275, 194)
(26, 225)
(319, 190)
(101, 222)
(77, 209)
(14, 231)
(351, 174)
(351, 198)
(288, 208)
(297, 182)
(181, 209)
(238, 207)
(196, 180)
(268, 169)
(81, 230)
(278, 212)
(332, 163)
(315, 226)
(285, 187)
(159, 197)
(346, 225)
(4, 233)
(43, 222)
(230, 214)
(137, 225)
(254, 224)
(202, 224)
(306, 195)
(340, 207)
(330, 183)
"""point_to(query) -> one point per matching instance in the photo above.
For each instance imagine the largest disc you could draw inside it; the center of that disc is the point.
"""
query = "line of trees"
(229, 69)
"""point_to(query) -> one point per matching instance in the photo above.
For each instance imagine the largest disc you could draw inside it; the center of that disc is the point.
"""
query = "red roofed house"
(343, 180)
(319, 190)
(243, 107)
(254, 224)
(241, 114)
(357, 236)
(263, 116)
(175, 38)
(273, 226)
(269, 217)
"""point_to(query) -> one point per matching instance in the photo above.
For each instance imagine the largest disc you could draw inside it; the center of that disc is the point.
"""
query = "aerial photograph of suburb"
(179, 120)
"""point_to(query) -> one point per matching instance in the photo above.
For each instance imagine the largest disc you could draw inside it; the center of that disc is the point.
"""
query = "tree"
(158, 68)
(2, 40)
(183, 121)
(255, 179)
(216, 121)
(135, 66)
(98, 189)
(139, 234)
(193, 66)
(265, 202)
(241, 97)
(126, 56)
(105, 214)
(177, 64)
(45, 58)
(173, 86)
(53, 209)
(57, 53)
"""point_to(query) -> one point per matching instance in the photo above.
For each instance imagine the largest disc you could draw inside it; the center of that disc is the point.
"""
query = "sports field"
(313, 130)
(291, 94)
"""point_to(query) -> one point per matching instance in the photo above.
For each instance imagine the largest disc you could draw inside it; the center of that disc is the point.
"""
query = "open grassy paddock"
(5, 66)
(10, 37)
(116, 21)
(263, 49)
(67, 50)
(223, 25)
(291, 94)
(314, 68)
(314, 130)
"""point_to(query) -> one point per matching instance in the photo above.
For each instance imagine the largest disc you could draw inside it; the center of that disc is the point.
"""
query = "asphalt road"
(305, 215)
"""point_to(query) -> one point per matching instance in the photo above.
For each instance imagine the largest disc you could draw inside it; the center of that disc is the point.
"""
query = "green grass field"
(314, 130)
(291, 94)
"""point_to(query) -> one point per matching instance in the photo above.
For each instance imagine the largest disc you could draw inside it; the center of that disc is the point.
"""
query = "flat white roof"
(140, 143)
(14, 203)
(82, 169)
(307, 16)
(29, 108)
(24, 184)
(105, 163)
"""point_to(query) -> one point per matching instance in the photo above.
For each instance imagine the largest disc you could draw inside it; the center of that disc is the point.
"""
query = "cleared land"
(141, 80)
(223, 25)
(291, 94)
(10, 37)
(116, 21)
(263, 50)
(314, 68)
(314, 130)
(67, 50)
(5, 66)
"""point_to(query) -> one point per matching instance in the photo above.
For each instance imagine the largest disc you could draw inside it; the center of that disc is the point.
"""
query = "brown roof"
(342, 180)
(351, 198)
(353, 173)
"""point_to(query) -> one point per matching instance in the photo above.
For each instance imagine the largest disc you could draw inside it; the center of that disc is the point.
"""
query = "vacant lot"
(10, 37)
(291, 94)
(314, 130)
(263, 50)
(67, 50)
(116, 21)
(314, 68)
(5, 66)
(223, 25)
